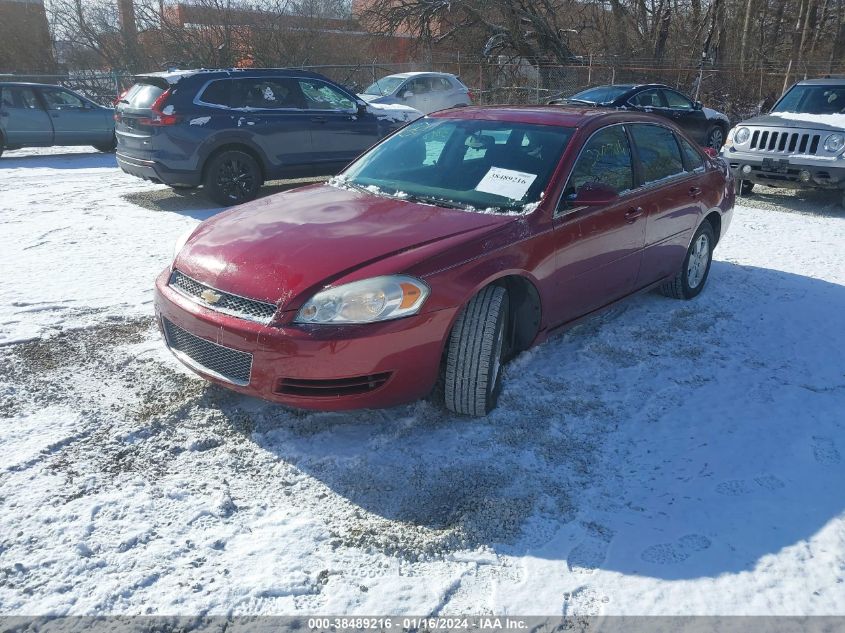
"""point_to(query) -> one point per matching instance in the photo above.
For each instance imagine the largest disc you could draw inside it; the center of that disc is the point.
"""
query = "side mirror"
(361, 108)
(697, 105)
(594, 194)
(407, 94)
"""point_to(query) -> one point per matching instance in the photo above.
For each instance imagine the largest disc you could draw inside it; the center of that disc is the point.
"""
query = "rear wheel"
(690, 280)
(232, 177)
(746, 187)
(476, 349)
(715, 137)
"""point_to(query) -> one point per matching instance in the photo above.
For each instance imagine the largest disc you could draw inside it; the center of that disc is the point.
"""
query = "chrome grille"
(783, 141)
(228, 303)
(222, 362)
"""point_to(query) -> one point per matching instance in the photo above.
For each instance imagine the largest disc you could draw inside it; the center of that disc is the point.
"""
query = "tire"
(107, 148)
(232, 177)
(715, 137)
(690, 280)
(745, 187)
(473, 374)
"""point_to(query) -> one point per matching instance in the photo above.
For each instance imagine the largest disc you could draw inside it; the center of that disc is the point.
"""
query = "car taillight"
(119, 97)
(160, 117)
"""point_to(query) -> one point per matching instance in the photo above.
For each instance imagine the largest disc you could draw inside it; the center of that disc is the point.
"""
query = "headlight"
(834, 143)
(181, 241)
(742, 135)
(376, 299)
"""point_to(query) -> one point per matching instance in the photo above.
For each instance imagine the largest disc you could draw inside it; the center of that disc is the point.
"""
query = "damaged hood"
(278, 248)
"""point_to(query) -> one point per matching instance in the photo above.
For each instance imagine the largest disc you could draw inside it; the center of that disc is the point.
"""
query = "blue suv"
(230, 130)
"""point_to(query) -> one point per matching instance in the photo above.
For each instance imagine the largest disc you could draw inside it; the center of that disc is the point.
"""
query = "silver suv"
(799, 144)
(426, 92)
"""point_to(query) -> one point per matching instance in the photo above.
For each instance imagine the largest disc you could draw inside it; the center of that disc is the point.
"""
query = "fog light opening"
(804, 175)
(746, 169)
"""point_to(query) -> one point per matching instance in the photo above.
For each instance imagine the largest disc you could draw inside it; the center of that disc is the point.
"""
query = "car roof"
(628, 86)
(29, 84)
(418, 74)
(175, 76)
(563, 116)
(833, 80)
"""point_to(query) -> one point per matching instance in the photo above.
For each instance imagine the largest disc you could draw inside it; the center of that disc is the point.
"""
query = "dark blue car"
(230, 130)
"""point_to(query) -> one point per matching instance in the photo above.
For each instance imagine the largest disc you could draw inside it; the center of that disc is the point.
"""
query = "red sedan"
(445, 250)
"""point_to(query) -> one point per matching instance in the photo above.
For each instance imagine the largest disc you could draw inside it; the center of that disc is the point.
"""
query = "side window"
(216, 93)
(658, 152)
(62, 100)
(322, 96)
(648, 99)
(676, 100)
(418, 86)
(439, 84)
(693, 157)
(606, 158)
(264, 94)
(21, 98)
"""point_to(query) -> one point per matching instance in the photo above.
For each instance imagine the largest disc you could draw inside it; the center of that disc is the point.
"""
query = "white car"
(426, 92)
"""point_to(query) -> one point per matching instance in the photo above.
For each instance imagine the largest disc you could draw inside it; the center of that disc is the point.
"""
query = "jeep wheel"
(745, 187)
(715, 138)
(232, 177)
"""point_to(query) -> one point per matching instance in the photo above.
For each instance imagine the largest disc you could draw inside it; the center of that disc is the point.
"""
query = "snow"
(834, 120)
(662, 458)
(168, 110)
(711, 114)
(202, 120)
(394, 112)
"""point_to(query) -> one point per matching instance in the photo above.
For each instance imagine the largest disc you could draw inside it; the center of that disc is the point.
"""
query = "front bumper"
(779, 170)
(156, 172)
(316, 367)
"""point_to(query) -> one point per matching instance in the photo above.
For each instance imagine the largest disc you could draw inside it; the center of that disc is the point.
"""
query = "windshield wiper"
(439, 202)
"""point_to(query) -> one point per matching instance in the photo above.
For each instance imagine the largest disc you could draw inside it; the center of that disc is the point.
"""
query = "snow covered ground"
(663, 458)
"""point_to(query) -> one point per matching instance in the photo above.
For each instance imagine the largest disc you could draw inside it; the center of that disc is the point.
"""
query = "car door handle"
(633, 213)
(694, 192)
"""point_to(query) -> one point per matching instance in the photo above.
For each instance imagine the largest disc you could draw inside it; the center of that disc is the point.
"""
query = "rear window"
(142, 95)
(600, 94)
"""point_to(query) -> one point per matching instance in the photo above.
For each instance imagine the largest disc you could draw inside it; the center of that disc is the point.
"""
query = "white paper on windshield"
(506, 183)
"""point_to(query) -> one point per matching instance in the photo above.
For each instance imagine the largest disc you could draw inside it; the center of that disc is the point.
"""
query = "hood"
(277, 248)
(369, 98)
(825, 122)
(394, 112)
(714, 115)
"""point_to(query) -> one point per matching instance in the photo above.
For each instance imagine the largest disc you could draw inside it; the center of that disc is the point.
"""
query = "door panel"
(682, 111)
(272, 111)
(23, 119)
(672, 202)
(339, 133)
(598, 248)
(75, 122)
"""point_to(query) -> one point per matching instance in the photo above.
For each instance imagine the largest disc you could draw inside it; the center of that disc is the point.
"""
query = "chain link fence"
(736, 92)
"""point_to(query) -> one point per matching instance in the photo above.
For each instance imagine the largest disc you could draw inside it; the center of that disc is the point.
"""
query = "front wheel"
(715, 138)
(476, 348)
(232, 177)
(690, 280)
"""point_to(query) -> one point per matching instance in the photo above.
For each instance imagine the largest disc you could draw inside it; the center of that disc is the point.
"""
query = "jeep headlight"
(367, 301)
(834, 143)
(742, 135)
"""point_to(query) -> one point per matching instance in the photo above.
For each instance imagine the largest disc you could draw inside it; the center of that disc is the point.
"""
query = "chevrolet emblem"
(209, 296)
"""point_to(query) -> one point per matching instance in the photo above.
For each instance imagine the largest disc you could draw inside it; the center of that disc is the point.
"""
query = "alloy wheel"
(698, 260)
(717, 139)
(235, 179)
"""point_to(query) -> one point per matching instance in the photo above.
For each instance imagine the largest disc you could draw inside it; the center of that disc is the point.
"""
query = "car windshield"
(496, 166)
(600, 94)
(813, 100)
(384, 86)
